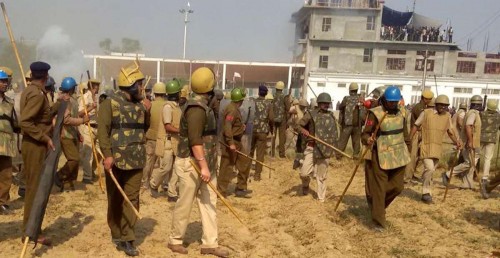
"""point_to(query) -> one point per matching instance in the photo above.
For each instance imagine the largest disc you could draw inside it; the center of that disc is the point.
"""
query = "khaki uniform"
(351, 123)
(490, 124)
(280, 119)
(198, 127)
(466, 169)
(323, 125)
(36, 126)
(415, 141)
(151, 136)
(434, 126)
(385, 165)
(121, 126)
(233, 130)
(166, 149)
(8, 148)
(87, 161)
(262, 126)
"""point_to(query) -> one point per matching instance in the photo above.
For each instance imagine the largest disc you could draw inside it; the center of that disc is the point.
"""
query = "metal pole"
(185, 33)
(425, 70)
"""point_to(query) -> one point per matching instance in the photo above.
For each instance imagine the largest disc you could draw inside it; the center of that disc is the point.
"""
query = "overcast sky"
(242, 30)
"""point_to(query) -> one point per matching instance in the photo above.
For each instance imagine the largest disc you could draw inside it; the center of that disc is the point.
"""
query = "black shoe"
(127, 247)
(445, 179)
(296, 164)
(21, 192)
(243, 193)
(282, 156)
(5, 209)
(305, 190)
(484, 192)
(154, 193)
(58, 182)
(427, 198)
(88, 181)
(172, 199)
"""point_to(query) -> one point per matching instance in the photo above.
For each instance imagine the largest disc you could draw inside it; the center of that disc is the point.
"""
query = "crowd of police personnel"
(169, 143)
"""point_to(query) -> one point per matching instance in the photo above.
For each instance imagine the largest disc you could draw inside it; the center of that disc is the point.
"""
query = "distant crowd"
(421, 34)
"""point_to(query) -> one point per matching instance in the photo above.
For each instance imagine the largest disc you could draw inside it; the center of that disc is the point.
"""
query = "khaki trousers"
(410, 168)
(259, 143)
(87, 161)
(5, 178)
(487, 149)
(430, 165)
(279, 130)
(165, 172)
(121, 217)
(69, 172)
(228, 160)
(465, 170)
(314, 167)
(192, 188)
(150, 163)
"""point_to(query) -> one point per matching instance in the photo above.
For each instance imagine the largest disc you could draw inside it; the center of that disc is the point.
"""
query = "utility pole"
(414, 3)
(426, 56)
(186, 12)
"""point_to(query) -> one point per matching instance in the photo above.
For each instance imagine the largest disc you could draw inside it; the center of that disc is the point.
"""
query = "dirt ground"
(281, 222)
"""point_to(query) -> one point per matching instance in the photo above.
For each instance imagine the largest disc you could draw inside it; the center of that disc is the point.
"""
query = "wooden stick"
(361, 158)
(328, 145)
(244, 155)
(26, 240)
(99, 172)
(13, 42)
(451, 175)
(219, 194)
(123, 193)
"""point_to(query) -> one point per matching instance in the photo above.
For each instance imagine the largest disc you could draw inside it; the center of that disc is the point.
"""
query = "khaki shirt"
(416, 111)
(196, 120)
(36, 114)
(233, 125)
(167, 114)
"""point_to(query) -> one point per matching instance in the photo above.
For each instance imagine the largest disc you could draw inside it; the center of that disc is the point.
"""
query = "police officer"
(215, 104)
(86, 153)
(434, 123)
(376, 94)
(350, 120)
(184, 95)
(36, 125)
(122, 122)
(384, 172)
(490, 124)
(458, 119)
(8, 150)
(155, 116)
(472, 133)
(50, 88)
(425, 99)
(198, 136)
(299, 111)
(167, 142)
(322, 124)
(262, 125)
(280, 118)
(233, 130)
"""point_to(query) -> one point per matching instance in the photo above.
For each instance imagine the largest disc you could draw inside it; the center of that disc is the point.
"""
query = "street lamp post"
(186, 12)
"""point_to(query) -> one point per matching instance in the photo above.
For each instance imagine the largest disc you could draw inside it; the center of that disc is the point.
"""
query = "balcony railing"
(345, 3)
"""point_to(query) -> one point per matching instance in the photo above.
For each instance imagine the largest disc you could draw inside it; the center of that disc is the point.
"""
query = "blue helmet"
(68, 84)
(392, 93)
(3, 75)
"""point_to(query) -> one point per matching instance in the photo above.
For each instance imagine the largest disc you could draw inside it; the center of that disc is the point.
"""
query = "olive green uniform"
(490, 124)
(262, 126)
(280, 107)
(385, 165)
(8, 149)
(233, 130)
(415, 142)
(36, 126)
(351, 123)
(121, 127)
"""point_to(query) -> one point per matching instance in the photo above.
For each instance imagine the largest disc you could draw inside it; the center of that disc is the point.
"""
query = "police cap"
(39, 68)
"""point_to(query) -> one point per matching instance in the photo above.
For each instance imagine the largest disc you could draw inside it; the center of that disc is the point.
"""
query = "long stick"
(498, 150)
(99, 172)
(123, 194)
(451, 175)
(12, 40)
(219, 194)
(26, 240)
(244, 155)
(361, 158)
(328, 145)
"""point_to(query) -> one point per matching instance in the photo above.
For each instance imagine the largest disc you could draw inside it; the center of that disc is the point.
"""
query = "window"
(422, 53)
(336, 3)
(457, 101)
(491, 68)
(419, 88)
(493, 56)
(341, 85)
(468, 55)
(466, 67)
(368, 55)
(363, 87)
(397, 64)
(321, 84)
(327, 24)
(419, 65)
(323, 61)
(490, 91)
(462, 90)
(324, 48)
(370, 23)
(396, 52)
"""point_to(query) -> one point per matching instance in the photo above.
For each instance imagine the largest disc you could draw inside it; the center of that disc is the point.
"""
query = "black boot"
(127, 247)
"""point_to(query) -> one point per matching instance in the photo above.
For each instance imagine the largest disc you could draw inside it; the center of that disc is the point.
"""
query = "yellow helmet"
(202, 80)
(492, 104)
(160, 88)
(442, 99)
(129, 75)
(269, 96)
(295, 102)
(28, 75)
(7, 70)
(185, 91)
(432, 103)
(353, 86)
(280, 85)
(428, 94)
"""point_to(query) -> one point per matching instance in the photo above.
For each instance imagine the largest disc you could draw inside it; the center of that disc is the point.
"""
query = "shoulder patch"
(229, 118)
(369, 122)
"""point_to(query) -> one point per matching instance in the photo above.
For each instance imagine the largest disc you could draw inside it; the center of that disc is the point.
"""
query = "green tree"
(131, 45)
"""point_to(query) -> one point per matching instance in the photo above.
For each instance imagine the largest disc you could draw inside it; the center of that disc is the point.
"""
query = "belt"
(93, 125)
(398, 131)
(237, 137)
(310, 144)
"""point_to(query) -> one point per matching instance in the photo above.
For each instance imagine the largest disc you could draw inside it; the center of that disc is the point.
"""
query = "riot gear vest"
(454, 121)
(7, 123)
(209, 133)
(476, 132)
(279, 107)
(351, 111)
(261, 121)
(391, 148)
(69, 131)
(325, 128)
(127, 133)
(156, 118)
(433, 129)
(490, 122)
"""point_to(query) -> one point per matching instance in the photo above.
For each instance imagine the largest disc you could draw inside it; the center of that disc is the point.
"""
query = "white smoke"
(57, 49)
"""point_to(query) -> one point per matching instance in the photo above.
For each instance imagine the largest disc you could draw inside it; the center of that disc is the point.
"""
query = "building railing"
(345, 3)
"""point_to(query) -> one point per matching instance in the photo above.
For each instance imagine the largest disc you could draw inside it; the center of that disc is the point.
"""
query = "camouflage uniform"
(233, 130)
(415, 141)
(351, 123)
(385, 165)
(490, 124)
(197, 127)
(121, 126)
(262, 126)
(8, 148)
(465, 170)
(280, 118)
(323, 125)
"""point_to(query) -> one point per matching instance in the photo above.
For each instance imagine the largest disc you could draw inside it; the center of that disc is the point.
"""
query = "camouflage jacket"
(279, 108)
(322, 125)
(350, 111)
(490, 124)
(264, 116)
(8, 122)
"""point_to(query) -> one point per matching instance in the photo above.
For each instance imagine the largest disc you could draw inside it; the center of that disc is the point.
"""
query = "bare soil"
(281, 222)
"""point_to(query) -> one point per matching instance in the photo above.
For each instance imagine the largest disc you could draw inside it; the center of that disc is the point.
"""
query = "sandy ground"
(281, 222)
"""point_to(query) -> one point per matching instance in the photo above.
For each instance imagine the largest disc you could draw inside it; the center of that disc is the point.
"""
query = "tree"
(130, 45)
(105, 45)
